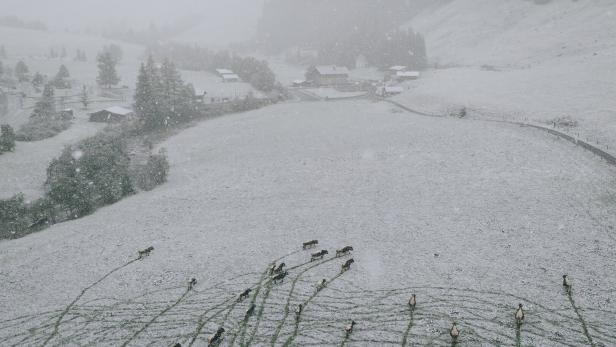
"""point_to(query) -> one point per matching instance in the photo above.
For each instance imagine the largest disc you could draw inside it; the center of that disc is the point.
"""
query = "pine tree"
(63, 53)
(147, 96)
(7, 138)
(1, 68)
(38, 80)
(84, 98)
(60, 81)
(2, 52)
(107, 75)
(45, 108)
(21, 71)
(172, 99)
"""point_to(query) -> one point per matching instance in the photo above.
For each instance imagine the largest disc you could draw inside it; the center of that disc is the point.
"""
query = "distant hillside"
(518, 33)
(521, 59)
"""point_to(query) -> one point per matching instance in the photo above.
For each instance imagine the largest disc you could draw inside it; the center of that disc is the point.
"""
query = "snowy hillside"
(473, 216)
(520, 60)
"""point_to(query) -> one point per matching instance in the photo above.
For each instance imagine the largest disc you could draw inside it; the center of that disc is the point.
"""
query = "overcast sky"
(232, 17)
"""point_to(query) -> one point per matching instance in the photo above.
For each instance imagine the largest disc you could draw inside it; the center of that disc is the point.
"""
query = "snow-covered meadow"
(472, 216)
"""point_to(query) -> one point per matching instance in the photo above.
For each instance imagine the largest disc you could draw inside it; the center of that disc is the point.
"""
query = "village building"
(111, 115)
(222, 72)
(407, 75)
(397, 68)
(328, 75)
(229, 78)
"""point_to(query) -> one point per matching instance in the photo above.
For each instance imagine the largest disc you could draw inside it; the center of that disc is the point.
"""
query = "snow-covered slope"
(517, 33)
(516, 59)
(473, 216)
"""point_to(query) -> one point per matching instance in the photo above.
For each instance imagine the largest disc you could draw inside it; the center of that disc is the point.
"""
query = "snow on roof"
(332, 70)
(394, 89)
(118, 110)
(224, 71)
(398, 68)
(230, 76)
(408, 73)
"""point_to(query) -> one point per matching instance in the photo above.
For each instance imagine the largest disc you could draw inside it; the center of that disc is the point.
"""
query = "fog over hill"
(215, 21)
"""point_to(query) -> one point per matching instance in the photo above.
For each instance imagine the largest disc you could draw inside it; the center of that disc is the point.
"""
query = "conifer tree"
(107, 75)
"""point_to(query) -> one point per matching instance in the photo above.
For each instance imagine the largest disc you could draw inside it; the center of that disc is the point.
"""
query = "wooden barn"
(328, 75)
(111, 115)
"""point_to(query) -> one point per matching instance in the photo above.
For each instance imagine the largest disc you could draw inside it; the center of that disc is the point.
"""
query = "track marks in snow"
(173, 314)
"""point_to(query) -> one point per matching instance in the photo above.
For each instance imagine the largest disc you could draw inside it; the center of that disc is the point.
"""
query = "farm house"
(111, 115)
(328, 75)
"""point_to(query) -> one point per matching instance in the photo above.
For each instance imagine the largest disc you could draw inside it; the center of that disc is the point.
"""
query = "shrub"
(93, 173)
(7, 138)
(13, 217)
(39, 129)
(154, 172)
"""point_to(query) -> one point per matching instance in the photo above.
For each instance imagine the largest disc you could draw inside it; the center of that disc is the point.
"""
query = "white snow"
(519, 60)
(507, 210)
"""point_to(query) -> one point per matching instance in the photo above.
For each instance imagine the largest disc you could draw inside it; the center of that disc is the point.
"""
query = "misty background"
(213, 21)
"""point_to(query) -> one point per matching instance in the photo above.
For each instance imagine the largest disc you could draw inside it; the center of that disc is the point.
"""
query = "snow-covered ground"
(24, 170)
(215, 87)
(33, 47)
(473, 216)
(516, 59)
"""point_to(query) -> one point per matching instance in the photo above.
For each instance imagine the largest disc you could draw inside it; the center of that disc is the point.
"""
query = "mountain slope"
(519, 60)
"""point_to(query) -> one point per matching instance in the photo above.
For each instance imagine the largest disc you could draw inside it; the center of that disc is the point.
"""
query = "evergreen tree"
(148, 95)
(84, 98)
(115, 51)
(60, 81)
(52, 53)
(7, 138)
(45, 108)
(21, 71)
(63, 53)
(1, 68)
(107, 75)
(2, 52)
(37, 80)
(172, 99)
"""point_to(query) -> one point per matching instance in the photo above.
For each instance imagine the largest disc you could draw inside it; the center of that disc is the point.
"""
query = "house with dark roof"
(327, 75)
(111, 115)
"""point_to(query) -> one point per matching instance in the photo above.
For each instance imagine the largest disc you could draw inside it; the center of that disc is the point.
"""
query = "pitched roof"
(224, 71)
(118, 110)
(408, 74)
(332, 70)
(230, 76)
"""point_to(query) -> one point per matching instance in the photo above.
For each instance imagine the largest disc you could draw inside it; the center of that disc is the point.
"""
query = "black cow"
(347, 265)
(344, 251)
(280, 277)
(279, 268)
(216, 338)
(310, 244)
(146, 252)
(318, 255)
(321, 285)
(192, 283)
(244, 295)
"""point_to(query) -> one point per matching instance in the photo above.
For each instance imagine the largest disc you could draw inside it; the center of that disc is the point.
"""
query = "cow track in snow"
(176, 314)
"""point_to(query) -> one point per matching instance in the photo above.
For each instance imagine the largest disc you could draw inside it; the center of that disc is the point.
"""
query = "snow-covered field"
(517, 60)
(24, 170)
(472, 216)
(216, 88)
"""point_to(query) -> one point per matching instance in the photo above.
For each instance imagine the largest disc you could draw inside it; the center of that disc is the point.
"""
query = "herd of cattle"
(277, 274)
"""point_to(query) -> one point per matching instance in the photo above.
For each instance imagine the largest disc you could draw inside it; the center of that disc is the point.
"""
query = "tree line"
(254, 71)
(346, 29)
